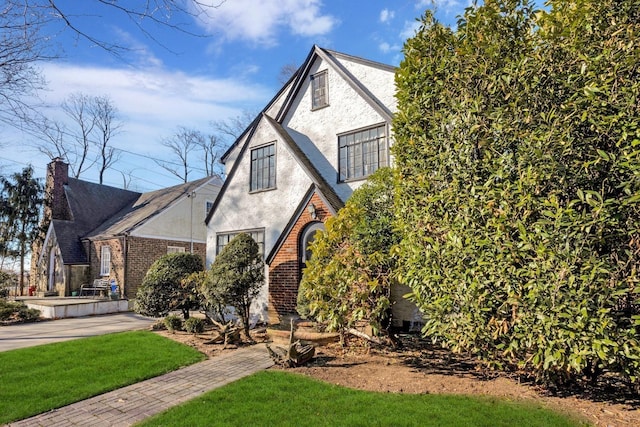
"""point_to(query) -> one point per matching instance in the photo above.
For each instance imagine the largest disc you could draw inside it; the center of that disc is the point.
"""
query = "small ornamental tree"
(237, 275)
(348, 278)
(164, 287)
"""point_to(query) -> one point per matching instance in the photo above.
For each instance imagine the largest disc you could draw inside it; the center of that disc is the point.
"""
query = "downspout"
(125, 262)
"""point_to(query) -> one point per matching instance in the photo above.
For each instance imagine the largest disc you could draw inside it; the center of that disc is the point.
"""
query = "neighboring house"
(97, 231)
(317, 140)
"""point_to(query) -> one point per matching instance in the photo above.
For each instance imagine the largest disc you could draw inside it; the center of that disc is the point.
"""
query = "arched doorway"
(308, 235)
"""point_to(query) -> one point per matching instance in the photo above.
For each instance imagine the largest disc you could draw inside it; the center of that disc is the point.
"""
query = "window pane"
(263, 168)
(362, 153)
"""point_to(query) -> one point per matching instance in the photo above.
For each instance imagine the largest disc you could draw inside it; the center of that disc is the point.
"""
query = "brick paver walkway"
(128, 405)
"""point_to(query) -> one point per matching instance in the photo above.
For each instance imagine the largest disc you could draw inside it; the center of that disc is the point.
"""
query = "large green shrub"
(162, 289)
(518, 184)
(236, 277)
(347, 280)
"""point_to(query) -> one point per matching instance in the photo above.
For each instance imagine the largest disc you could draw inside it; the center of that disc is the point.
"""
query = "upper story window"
(363, 152)
(175, 249)
(263, 168)
(207, 207)
(105, 261)
(319, 90)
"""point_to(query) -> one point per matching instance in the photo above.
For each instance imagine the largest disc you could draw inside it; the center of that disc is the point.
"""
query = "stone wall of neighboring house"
(117, 260)
(140, 254)
(285, 271)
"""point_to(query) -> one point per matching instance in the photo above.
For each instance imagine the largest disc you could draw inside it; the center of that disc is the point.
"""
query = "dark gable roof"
(90, 205)
(323, 186)
(145, 207)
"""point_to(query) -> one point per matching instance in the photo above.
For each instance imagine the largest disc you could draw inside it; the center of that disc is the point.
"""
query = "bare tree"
(181, 145)
(107, 125)
(230, 129)
(286, 72)
(21, 46)
(212, 150)
(78, 107)
(27, 28)
(93, 123)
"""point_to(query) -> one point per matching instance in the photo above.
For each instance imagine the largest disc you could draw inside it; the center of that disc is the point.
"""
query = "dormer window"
(319, 90)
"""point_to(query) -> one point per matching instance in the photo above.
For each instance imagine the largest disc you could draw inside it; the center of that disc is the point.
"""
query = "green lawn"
(275, 398)
(36, 379)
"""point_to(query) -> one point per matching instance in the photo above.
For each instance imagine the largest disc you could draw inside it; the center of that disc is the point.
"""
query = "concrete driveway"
(45, 332)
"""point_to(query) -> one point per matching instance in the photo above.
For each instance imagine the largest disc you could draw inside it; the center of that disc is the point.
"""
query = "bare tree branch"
(181, 145)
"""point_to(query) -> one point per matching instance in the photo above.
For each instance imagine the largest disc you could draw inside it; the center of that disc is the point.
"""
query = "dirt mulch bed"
(422, 368)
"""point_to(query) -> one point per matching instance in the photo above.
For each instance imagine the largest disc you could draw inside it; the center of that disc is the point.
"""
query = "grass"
(274, 398)
(37, 379)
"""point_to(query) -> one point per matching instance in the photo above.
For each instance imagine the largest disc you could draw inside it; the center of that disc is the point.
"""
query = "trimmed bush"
(173, 323)
(162, 289)
(194, 325)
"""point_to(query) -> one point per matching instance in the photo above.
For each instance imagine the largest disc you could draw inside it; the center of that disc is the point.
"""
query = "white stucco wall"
(316, 133)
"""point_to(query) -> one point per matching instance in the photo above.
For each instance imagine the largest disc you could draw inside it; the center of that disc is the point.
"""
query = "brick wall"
(141, 253)
(285, 270)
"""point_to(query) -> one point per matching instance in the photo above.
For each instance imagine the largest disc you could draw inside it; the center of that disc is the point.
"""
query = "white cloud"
(152, 104)
(386, 15)
(260, 21)
(409, 30)
(447, 6)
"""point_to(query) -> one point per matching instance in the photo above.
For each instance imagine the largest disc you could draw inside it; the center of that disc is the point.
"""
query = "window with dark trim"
(319, 90)
(263, 168)
(222, 239)
(363, 152)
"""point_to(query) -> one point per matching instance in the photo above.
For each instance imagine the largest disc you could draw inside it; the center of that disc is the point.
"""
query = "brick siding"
(285, 271)
(141, 253)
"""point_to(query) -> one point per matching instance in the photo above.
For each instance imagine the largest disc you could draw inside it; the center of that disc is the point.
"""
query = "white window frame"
(175, 249)
(257, 234)
(105, 260)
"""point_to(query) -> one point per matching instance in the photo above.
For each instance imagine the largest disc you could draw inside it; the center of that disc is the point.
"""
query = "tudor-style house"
(314, 143)
(96, 231)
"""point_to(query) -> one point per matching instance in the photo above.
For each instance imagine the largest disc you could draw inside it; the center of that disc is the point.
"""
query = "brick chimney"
(55, 203)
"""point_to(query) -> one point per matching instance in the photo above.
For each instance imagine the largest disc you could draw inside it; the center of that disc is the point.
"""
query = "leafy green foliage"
(347, 280)
(162, 288)
(236, 277)
(518, 184)
(194, 325)
(173, 323)
(20, 204)
(17, 312)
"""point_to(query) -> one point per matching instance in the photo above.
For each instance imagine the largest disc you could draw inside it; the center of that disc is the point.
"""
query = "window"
(105, 261)
(223, 239)
(363, 152)
(263, 168)
(308, 236)
(319, 90)
(207, 207)
(174, 249)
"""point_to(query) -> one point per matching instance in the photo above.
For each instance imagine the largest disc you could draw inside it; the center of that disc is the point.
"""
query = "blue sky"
(175, 79)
